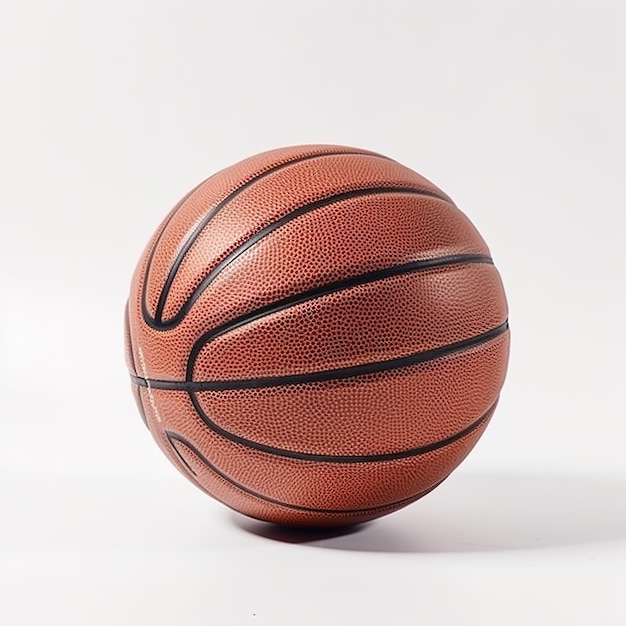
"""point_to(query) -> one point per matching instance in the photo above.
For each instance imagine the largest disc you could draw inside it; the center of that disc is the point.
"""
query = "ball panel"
(367, 323)
(323, 486)
(244, 500)
(333, 243)
(203, 199)
(247, 287)
(270, 198)
(373, 414)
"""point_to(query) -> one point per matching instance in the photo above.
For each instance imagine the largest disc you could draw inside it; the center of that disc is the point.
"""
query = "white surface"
(112, 110)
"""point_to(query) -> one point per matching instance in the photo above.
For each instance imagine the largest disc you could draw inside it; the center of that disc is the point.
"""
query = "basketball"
(316, 336)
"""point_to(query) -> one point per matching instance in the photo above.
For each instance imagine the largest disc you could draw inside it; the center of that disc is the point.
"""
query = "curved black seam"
(182, 253)
(340, 285)
(172, 436)
(373, 367)
(295, 213)
(344, 459)
(148, 319)
(157, 322)
(254, 239)
(152, 321)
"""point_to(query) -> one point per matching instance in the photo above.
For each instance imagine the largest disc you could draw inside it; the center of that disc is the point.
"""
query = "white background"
(112, 110)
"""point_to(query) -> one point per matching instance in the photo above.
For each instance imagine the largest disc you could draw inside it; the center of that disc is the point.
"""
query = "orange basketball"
(316, 336)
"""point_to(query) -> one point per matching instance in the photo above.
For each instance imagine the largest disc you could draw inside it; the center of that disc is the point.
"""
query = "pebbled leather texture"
(316, 336)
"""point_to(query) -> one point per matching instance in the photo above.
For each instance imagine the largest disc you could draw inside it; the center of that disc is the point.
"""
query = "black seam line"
(148, 319)
(182, 253)
(343, 459)
(161, 324)
(154, 322)
(172, 436)
(157, 322)
(340, 285)
(324, 375)
(295, 213)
